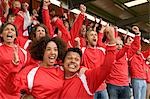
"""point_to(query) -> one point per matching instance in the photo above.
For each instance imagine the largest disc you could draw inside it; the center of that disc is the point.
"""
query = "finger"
(15, 48)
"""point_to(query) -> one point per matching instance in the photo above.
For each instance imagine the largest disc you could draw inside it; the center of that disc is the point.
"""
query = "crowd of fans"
(45, 56)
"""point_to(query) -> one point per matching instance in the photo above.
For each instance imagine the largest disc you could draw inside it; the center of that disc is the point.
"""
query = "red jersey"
(83, 87)
(44, 83)
(94, 57)
(47, 21)
(18, 22)
(119, 74)
(23, 42)
(138, 67)
(6, 67)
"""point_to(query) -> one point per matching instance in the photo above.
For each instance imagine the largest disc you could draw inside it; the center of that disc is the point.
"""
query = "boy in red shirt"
(84, 85)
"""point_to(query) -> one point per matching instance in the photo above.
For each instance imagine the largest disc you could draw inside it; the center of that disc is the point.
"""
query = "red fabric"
(76, 28)
(138, 67)
(48, 82)
(6, 67)
(2, 7)
(148, 73)
(99, 42)
(21, 41)
(73, 87)
(1, 12)
(82, 41)
(94, 57)
(3, 19)
(18, 22)
(119, 73)
(146, 53)
(47, 21)
(134, 47)
(65, 33)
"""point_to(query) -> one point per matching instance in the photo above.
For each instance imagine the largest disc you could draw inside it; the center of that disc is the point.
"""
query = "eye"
(48, 49)
(56, 49)
(43, 30)
(12, 29)
(77, 59)
(5, 29)
(69, 58)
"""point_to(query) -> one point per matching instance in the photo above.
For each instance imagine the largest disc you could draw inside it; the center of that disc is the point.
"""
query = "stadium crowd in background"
(48, 56)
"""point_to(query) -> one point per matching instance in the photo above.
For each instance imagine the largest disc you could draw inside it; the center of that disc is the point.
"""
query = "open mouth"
(9, 36)
(94, 40)
(51, 57)
(73, 66)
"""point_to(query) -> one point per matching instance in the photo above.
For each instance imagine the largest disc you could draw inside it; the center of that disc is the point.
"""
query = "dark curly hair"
(38, 47)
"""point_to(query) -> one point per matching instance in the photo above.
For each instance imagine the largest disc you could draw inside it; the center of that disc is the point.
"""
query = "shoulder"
(28, 68)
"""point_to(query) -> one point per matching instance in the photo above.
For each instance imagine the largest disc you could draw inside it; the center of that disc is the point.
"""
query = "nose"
(9, 30)
(52, 52)
(40, 31)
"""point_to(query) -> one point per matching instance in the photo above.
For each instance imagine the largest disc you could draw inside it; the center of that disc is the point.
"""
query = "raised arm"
(65, 33)
(5, 15)
(27, 18)
(135, 46)
(100, 37)
(97, 75)
(122, 51)
(77, 24)
(46, 17)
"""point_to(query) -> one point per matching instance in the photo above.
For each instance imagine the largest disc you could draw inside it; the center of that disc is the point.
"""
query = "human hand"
(82, 8)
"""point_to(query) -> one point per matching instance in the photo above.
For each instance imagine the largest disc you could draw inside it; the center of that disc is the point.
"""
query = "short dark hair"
(37, 48)
(77, 50)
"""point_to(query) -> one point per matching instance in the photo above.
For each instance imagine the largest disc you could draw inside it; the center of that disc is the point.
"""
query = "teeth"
(72, 66)
(9, 36)
(94, 39)
(52, 57)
